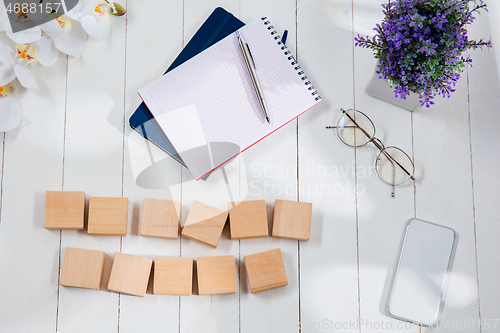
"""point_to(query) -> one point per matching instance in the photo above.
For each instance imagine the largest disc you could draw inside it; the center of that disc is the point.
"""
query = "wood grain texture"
(130, 274)
(381, 218)
(65, 210)
(79, 139)
(328, 261)
(216, 312)
(248, 219)
(93, 162)
(108, 216)
(216, 275)
(147, 171)
(269, 171)
(173, 276)
(204, 224)
(33, 159)
(265, 270)
(445, 194)
(292, 219)
(160, 218)
(82, 268)
(484, 85)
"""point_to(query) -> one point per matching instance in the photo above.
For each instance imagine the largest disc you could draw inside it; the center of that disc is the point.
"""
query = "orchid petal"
(4, 22)
(24, 122)
(7, 74)
(25, 77)
(45, 52)
(6, 55)
(74, 42)
(76, 12)
(95, 29)
(52, 28)
(11, 114)
(26, 36)
(90, 7)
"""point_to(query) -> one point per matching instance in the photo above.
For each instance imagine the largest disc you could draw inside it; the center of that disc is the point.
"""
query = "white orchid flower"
(22, 37)
(68, 36)
(94, 18)
(16, 66)
(11, 113)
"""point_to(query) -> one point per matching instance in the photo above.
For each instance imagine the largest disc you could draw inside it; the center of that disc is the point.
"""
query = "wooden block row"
(160, 218)
(66, 210)
(248, 219)
(172, 275)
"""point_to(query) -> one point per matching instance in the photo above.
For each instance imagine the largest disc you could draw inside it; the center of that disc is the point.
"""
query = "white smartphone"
(417, 291)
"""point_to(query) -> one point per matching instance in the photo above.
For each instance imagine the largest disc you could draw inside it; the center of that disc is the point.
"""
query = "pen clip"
(240, 40)
(251, 56)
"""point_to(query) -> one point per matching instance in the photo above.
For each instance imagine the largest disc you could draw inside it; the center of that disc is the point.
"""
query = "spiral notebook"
(207, 106)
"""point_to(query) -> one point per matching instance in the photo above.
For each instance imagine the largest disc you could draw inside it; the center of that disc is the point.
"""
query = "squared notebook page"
(207, 106)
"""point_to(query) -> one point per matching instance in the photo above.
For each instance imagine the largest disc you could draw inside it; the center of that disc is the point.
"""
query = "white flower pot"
(380, 89)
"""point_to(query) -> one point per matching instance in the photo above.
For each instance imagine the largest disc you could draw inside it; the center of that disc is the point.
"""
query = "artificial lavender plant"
(420, 45)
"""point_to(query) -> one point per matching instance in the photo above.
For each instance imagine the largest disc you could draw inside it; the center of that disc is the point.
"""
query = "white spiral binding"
(292, 59)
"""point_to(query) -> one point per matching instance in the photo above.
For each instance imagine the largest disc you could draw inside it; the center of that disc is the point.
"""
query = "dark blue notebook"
(217, 26)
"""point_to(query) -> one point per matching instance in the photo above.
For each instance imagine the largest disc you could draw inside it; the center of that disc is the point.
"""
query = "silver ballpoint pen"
(247, 55)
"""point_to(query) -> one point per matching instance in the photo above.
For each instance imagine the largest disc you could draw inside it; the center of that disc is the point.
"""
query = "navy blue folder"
(217, 26)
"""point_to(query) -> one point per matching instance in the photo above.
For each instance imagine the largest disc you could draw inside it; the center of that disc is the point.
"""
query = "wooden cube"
(248, 219)
(173, 276)
(82, 268)
(204, 224)
(216, 275)
(130, 274)
(265, 270)
(108, 216)
(160, 218)
(292, 219)
(64, 210)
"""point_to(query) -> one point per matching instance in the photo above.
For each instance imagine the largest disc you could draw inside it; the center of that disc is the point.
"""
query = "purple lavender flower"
(420, 45)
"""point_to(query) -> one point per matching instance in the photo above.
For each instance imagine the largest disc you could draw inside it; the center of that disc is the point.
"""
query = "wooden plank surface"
(269, 172)
(33, 163)
(445, 182)
(154, 39)
(381, 218)
(484, 85)
(328, 261)
(212, 312)
(93, 162)
(79, 140)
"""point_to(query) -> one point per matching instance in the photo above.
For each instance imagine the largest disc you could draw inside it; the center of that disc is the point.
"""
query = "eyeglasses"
(392, 165)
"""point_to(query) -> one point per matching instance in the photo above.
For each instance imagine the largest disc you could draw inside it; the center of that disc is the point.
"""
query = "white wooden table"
(79, 139)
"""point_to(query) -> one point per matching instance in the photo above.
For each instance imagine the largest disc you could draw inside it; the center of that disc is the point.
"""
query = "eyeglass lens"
(394, 166)
(352, 135)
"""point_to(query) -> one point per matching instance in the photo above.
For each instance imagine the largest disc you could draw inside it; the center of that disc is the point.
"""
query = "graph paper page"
(207, 106)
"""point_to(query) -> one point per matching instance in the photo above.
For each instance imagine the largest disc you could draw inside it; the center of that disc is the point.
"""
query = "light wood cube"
(108, 216)
(173, 276)
(64, 210)
(248, 219)
(292, 219)
(160, 218)
(204, 224)
(82, 268)
(130, 274)
(216, 275)
(265, 270)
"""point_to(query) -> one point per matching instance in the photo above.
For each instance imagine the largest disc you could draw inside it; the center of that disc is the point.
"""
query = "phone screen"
(420, 276)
